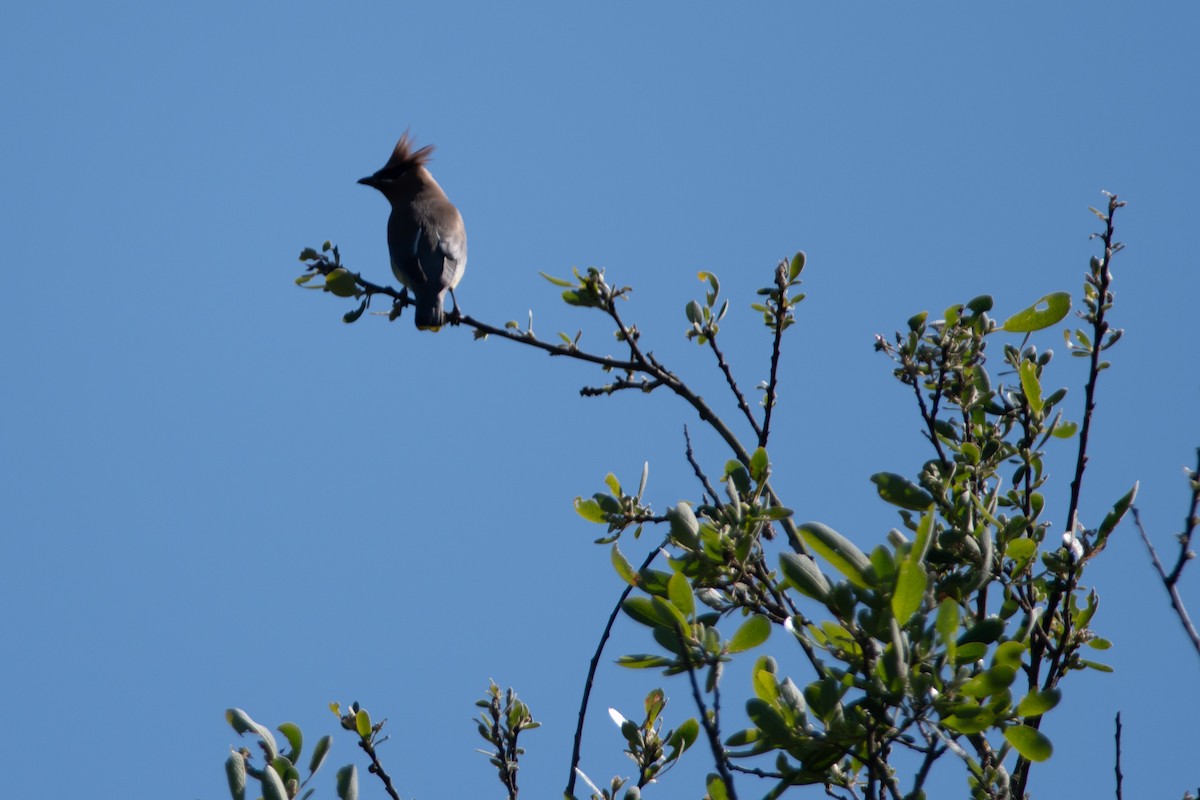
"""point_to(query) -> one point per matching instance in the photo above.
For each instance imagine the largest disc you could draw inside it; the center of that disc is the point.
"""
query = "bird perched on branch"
(426, 238)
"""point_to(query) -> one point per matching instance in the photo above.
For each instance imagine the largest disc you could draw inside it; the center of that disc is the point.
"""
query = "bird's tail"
(430, 314)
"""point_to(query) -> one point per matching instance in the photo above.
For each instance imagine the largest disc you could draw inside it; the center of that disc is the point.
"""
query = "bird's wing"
(442, 249)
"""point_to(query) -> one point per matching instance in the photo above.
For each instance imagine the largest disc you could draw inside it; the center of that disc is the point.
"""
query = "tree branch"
(781, 282)
(1170, 581)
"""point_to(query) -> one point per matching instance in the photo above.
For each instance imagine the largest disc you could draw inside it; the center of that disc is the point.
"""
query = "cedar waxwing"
(426, 238)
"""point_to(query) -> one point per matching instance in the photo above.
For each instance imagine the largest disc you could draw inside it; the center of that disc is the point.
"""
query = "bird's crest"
(404, 157)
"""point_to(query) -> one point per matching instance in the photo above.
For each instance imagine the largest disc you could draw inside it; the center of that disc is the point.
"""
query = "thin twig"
(781, 274)
(1099, 329)
(377, 768)
(932, 754)
(929, 417)
(1189, 524)
(1169, 582)
(733, 386)
(712, 733)
(691, 457)
(1120, 777)
(591, 675)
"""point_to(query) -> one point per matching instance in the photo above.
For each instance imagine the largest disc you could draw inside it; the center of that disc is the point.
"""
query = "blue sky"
(215, 493)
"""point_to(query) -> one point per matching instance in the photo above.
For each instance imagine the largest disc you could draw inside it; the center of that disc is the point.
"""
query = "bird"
(427, 242)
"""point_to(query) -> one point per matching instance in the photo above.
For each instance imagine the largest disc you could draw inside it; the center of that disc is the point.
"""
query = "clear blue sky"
(215, 493)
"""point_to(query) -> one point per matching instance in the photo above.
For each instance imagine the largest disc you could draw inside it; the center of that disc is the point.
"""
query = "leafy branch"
(920, 646)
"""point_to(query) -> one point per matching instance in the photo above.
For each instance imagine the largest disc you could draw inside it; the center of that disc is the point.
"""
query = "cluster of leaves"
(501, 724)
(279, 777)
(952, 637)
(653, 751)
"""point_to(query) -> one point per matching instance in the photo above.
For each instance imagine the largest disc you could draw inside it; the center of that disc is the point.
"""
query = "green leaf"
(899, 491)
(980, 304)
(924, 537)
(716, 788)
(1114, 517)
(1099, 643)
(347, 783)
(753, 632)
(839, 551)
(796, 266)
(589, 509)
(948, 617)
(910, 590)
(362, 723)
(642, 610)
(682, 738)
(291, 732)
(1020, 549)
(654, 612)
(242, 723)
(685, 528)
(1065, 430)
(1038, 702)
(235, 773)
(352, 316)
(644, 661)
(990, 682)
(968, 652)
(1029, 742)
(986, 631)
(1031, 386)
(759, 465)
(556, 281)
(319, 752)
(1009, 654)
(768, 719)
(680, 592)
(824, 697)
(288, 772)
(613, 484)
(670, 641)
(1045, 312)
(763, 680)
(970, 719)
(654, 581)
(804, 574)
(623, 567)
(341, 283)
(272, 785)
(1095, 665)
(744, 737)
(740, 475)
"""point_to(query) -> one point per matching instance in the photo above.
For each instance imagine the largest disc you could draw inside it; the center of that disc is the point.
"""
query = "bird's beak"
(369, 181)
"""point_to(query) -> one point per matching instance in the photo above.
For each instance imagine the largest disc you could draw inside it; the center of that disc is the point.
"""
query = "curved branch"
(591, 676)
